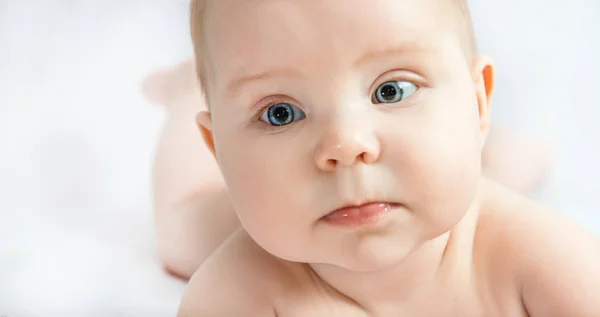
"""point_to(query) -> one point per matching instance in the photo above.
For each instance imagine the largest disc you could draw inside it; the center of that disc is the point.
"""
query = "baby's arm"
(193, 213)
(228, 284)
(560, 268)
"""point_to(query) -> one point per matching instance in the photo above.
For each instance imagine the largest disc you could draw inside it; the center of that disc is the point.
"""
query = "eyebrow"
(235, 85)
(406, 48)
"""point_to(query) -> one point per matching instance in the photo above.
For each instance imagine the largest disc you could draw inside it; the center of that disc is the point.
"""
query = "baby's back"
(241, 279)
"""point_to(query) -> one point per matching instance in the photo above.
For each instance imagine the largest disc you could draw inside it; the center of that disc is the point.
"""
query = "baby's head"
(317, 105)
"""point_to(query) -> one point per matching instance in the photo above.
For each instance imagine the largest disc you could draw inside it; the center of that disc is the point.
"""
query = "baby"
(349, 135)
(194, 215)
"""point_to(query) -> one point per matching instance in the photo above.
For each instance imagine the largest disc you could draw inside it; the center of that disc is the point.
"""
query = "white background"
(77, 137)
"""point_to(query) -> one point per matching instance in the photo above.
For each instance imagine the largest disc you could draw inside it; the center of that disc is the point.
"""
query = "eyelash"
(264, 107)
(414, 79)
(276, 100)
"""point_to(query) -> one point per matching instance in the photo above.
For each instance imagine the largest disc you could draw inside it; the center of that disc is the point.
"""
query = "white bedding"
(76, 138)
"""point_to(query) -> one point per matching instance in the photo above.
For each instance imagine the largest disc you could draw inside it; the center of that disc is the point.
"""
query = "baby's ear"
(483, 76)
(164, 85)
(204, 122)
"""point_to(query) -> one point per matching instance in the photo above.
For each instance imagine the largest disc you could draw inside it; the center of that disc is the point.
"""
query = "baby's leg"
(192, 210)
(193, 214)
(515, 161)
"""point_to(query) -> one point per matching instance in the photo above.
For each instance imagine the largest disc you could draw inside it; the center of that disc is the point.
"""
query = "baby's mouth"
(359, 215)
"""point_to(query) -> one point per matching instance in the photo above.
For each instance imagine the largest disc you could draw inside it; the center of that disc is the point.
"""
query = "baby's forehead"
(260, 24)
(277, 22)
(456, 9)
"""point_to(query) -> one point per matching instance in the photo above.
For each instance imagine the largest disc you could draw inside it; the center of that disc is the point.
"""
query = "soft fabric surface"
(77, 138)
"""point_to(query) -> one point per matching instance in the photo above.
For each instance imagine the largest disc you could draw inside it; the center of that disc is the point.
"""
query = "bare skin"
(193, 214)
(192, 208)
(355, 168)
(490, 265)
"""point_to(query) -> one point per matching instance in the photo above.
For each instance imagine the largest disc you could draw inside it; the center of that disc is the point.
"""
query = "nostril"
(368, 158)
(363, 157)
(330, 163)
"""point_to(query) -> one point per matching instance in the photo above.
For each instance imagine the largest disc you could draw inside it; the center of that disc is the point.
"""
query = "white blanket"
(77, 137)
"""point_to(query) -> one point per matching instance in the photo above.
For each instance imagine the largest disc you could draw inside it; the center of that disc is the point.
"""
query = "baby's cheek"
(264, 196)
(439, 177)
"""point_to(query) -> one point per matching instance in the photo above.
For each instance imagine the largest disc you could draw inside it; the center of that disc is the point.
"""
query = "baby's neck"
(441, 261)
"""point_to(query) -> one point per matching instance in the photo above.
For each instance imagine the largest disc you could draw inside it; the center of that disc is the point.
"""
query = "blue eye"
(394, 91)
(282, 114)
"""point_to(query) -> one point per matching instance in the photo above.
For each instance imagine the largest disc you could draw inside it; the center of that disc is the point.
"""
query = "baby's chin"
(380, 255)
(376, 254)
(370, 255)
(363, 251)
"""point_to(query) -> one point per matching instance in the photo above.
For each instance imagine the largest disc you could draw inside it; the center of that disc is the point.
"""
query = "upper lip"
(359, 204)
(354, 205)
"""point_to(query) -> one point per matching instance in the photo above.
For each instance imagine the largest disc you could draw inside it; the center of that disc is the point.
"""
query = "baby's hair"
(198, 8)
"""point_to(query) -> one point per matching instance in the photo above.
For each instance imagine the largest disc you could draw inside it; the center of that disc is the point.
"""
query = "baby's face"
(317, 105)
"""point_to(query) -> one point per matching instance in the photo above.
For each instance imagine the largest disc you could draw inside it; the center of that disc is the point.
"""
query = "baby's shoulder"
(239, 279)
(513, 225)
(542, 253)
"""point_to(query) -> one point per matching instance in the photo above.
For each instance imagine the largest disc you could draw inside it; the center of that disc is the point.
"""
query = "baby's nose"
(343, 145)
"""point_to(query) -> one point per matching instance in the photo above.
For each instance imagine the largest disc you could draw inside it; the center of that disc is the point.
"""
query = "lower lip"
(359, 215)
